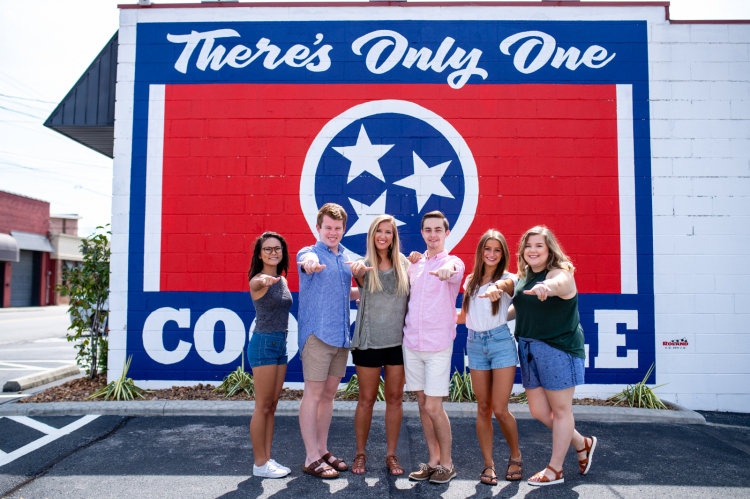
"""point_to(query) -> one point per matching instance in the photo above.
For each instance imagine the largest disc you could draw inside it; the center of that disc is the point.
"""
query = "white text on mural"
(594, 57)
(240, 56)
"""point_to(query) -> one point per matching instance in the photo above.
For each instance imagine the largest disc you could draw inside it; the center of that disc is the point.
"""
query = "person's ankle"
(261, 465)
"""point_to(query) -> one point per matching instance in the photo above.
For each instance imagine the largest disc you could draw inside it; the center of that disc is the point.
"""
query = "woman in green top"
(550, 346)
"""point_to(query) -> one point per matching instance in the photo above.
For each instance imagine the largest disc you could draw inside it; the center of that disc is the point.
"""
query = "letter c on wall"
(153, 334)
(204, 336)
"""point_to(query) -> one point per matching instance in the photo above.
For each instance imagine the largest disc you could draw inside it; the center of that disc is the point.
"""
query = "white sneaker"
(268, 470)
(279, 466)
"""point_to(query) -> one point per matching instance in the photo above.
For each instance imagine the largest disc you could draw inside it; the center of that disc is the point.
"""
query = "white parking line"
(52, 434)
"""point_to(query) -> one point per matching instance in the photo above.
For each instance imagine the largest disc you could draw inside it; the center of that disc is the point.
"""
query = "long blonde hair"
(394, 253)
(556, 260)
(476, 277)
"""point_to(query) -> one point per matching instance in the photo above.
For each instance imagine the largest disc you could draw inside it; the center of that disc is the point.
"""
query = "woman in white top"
(488, 293)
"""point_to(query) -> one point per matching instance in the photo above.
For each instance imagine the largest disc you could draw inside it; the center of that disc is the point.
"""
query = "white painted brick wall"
(700, 107)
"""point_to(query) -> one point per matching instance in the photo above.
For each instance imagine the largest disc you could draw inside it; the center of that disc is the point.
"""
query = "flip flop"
(319, 473)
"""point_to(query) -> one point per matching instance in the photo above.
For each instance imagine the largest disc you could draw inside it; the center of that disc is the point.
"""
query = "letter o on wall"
(204, 336)
(153, 334)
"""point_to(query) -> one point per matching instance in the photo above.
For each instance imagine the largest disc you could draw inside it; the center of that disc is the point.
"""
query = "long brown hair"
(472, 288)
(256, 265)
(556, 260)
(394, 253)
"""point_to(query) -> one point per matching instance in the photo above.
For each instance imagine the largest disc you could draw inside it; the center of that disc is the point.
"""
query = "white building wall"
(700, 145)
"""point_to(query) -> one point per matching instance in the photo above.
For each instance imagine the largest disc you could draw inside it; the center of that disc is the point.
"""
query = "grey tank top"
(272, 309)
(380, 318)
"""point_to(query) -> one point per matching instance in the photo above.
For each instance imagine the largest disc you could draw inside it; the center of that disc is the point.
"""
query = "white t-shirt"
(480, 316)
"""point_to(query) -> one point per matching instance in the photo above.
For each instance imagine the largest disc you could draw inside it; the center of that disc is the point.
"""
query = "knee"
(394, 399)
(503, 414)
(266, 408)
(433, 408)
(366, 401)
(561, 412)
(484, 410)
(538, 414)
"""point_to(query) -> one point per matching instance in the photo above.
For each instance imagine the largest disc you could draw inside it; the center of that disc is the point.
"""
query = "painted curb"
(344, 409)
(42, 378)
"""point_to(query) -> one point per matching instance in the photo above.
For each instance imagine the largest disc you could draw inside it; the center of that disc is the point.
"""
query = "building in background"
(33, 250)
(626, 133)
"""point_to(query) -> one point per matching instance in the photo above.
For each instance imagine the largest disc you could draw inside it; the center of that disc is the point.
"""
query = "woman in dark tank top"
(266, 352)
(550, 346)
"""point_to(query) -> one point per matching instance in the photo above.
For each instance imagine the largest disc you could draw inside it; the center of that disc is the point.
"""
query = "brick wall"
(700, 107)
(23, 214)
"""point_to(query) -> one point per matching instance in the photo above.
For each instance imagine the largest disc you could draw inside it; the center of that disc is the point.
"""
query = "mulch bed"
(79, 389)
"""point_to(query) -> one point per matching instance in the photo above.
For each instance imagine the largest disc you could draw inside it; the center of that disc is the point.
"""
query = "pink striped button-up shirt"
(431, 319)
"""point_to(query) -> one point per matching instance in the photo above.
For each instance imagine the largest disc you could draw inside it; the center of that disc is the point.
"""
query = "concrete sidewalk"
(346, 409)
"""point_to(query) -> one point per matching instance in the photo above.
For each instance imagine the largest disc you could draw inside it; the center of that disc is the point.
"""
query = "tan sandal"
(359, 464)
(542, 480)
(320, 473)
(393, 465)
(492, 479)
(335, 463)
(514, 476)
(585, 464)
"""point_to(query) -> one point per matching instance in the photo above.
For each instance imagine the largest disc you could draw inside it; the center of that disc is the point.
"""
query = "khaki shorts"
(320, 360)
(428, 371)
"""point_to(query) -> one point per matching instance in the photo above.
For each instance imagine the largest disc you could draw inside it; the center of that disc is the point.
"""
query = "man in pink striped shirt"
(428, 343)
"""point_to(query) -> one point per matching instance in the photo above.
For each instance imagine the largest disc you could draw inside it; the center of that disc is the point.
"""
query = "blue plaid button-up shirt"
(324, 297)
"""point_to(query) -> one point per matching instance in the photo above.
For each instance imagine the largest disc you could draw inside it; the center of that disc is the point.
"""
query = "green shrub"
(461, 388)
(122, 388)
(351, 390)
(640, 395)
(237, 380)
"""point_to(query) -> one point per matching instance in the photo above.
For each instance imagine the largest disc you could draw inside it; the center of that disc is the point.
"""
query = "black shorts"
(378, 357)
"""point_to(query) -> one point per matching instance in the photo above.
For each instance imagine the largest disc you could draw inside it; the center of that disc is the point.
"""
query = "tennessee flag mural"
(242, 126)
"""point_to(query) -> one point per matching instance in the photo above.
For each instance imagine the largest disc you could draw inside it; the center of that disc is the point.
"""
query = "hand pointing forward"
(492, 293)
(311, 265)
(444, 273)
(266, 280)
(541, 291)
(358, 268)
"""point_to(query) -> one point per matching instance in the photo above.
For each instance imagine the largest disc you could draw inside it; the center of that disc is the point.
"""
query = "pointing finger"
(529, 292)
(483, 296)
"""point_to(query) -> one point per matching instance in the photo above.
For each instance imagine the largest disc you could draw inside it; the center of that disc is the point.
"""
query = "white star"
(426, 181)
(364, 156)
(366, 214)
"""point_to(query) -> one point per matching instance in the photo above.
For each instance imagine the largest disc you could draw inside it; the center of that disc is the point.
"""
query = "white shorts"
(428, 371)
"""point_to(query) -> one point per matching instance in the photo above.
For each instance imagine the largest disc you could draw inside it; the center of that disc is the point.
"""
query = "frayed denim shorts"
(547, 367)
(493, 349)
(267, 349)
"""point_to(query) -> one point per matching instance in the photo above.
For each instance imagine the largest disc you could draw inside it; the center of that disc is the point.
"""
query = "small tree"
(87, 285)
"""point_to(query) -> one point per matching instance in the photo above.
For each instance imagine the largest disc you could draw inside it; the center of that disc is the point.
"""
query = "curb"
(38, 379)
(343, 409)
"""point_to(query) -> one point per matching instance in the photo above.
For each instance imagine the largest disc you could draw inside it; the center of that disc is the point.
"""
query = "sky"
(46, 45)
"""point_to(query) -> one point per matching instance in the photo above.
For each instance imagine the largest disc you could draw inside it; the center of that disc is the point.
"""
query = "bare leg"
(369, 380)
(325, 413)
(280, 375)
(441, 426)
(261, 424)
(394, 412)
(554, 409)
(481, 381)
(429, 432)
(502, 385)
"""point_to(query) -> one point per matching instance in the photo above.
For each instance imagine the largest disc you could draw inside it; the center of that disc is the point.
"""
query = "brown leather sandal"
(320, 473)
(491, 480)
(515, 475)
(359, 464)
(585, 464)
(541, 478)
(393, 465)
(335, 463)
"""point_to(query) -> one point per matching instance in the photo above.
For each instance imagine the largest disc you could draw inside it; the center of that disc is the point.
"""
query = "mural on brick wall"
(243, 127)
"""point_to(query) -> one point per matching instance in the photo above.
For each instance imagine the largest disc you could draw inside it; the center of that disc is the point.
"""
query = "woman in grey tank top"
(378, 333)
(266, 352)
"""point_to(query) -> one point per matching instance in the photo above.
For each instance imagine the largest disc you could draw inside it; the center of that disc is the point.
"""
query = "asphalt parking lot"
(202, 457)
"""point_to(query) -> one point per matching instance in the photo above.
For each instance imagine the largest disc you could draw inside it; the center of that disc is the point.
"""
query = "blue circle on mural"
(390, 163)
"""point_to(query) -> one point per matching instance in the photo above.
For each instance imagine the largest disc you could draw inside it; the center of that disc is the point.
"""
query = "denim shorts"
(493, 349)
(548, 367)
(267, 349)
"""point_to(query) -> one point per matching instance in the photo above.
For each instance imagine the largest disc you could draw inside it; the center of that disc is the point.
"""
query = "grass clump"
(122, 388)
(639, 395)
(460, 388)
(519, 398)
(238, 380)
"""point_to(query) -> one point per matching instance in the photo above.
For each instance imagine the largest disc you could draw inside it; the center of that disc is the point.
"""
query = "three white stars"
(364, 156)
